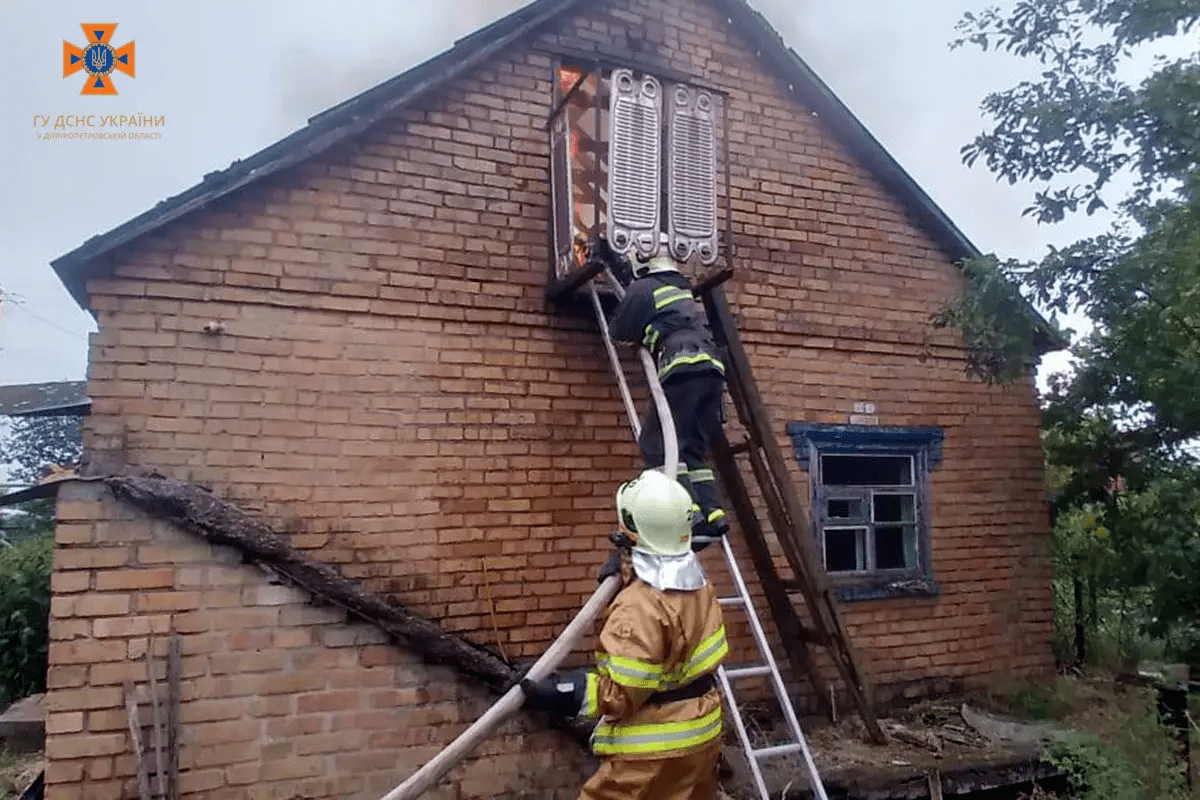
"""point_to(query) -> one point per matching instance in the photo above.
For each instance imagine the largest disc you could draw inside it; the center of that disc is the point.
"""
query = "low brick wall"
(279, 698)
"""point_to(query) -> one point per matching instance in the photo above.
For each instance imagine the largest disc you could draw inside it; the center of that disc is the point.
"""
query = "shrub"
(24, 615)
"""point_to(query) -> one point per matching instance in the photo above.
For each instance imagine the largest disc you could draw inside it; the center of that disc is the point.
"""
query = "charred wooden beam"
(784, 508)
(711, 280)
(574, 279)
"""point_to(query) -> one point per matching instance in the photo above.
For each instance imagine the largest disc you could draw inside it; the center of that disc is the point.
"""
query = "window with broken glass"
(870, 496)
(633, 155)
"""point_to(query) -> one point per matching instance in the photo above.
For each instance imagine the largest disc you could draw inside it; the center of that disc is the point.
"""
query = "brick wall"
(279, 698)
(391, 391)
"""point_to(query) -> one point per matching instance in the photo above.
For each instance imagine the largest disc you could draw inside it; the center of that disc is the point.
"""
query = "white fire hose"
(427, 776)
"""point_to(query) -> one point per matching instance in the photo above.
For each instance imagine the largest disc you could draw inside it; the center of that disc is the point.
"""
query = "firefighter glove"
(561, 695)
(612, 566)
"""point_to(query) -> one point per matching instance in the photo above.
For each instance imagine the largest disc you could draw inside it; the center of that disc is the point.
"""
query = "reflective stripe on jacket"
(660, 313)
(652, 641)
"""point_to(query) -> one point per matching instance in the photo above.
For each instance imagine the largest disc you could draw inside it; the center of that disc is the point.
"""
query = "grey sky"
(232, 77)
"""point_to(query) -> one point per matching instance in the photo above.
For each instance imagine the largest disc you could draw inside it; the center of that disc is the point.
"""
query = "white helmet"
(659, 262)
(656, 512)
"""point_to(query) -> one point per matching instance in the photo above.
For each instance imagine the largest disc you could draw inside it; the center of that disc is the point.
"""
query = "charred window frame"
(658, 171)
(869, 490)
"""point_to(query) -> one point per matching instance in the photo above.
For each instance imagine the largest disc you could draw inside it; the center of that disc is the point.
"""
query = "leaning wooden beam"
(159, 763)
(135, 736)
(574, 279)
(193, 509)
(174, 672)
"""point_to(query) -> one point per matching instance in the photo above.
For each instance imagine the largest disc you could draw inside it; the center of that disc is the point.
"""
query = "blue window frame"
(869, 490)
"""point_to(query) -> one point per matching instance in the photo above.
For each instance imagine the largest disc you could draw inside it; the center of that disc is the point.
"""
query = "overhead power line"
(21, 304)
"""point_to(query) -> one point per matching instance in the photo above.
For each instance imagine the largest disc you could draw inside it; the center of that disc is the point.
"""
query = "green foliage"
(1120, 430)
(1040, 702)
(1094, 771)
(24, 615)
(29, 448)
(1080, 123)
(998, 328)
(27, 519)
(1139, 762)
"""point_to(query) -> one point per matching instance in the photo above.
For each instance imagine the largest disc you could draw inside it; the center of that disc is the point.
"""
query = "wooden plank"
(784, 614)
(574, 279)
(780, 522)
(797, 539)
(758, 425)
(135, 736)
(711, 280)
(160, 766)
(174, 665)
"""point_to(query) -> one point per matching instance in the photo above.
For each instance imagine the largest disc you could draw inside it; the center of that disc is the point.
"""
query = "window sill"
(849, 591)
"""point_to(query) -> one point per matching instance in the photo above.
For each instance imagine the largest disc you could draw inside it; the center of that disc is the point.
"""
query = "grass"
(1032, 700)
(15, 769)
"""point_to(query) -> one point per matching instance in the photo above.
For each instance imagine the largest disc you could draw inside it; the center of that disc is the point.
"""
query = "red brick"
(84, 745)
(135, 579)
(90, 558)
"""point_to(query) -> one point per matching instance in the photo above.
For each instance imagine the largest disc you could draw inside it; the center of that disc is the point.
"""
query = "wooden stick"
(487, 584)
(160, 767)
(131, 711)
(935, 785)
(424, 778)
(173, 672)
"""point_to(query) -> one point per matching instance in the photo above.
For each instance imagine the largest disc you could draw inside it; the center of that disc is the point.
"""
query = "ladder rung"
(729, 601)
(747, 672)
(741, 447)
(777, 750)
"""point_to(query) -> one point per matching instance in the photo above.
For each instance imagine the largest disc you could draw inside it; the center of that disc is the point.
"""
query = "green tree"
(24, 616)
(1121, 428)
(29, 449)
(34, 444)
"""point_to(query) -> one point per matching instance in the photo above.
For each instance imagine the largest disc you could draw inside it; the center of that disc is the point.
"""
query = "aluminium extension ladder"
(741, 598)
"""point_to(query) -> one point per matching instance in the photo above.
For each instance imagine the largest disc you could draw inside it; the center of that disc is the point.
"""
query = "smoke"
(335, 57)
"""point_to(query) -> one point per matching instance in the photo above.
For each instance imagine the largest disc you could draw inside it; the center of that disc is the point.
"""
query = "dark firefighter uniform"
(660, 313)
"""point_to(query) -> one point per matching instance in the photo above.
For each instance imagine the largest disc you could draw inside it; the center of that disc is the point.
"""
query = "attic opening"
(634, 158)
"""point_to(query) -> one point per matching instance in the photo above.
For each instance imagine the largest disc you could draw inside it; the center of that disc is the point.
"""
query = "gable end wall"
(390, 390)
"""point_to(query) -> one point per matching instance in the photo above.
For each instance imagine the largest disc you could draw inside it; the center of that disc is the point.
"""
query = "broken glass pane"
(844, 508)
(895, 507)
(839, 470)
(845, 549)
(895, 547)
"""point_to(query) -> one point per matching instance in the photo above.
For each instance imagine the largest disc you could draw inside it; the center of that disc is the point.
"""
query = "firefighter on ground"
(661, 641)
(660, 313)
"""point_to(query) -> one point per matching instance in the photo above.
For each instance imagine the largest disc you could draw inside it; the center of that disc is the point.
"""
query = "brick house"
(347, 335)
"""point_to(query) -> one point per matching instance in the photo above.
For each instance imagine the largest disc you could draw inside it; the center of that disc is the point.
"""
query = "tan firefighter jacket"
(653, 641)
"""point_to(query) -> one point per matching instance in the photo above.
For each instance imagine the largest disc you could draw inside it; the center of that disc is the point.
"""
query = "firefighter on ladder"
(660, 313)
(662, 639)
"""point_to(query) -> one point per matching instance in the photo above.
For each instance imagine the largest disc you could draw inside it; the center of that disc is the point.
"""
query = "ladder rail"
(666, 421)
(781, 692)
(671, 446)
(615, 361)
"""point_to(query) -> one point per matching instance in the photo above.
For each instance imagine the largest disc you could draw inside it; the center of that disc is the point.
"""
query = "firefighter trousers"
(687, 777)
(695, 400)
